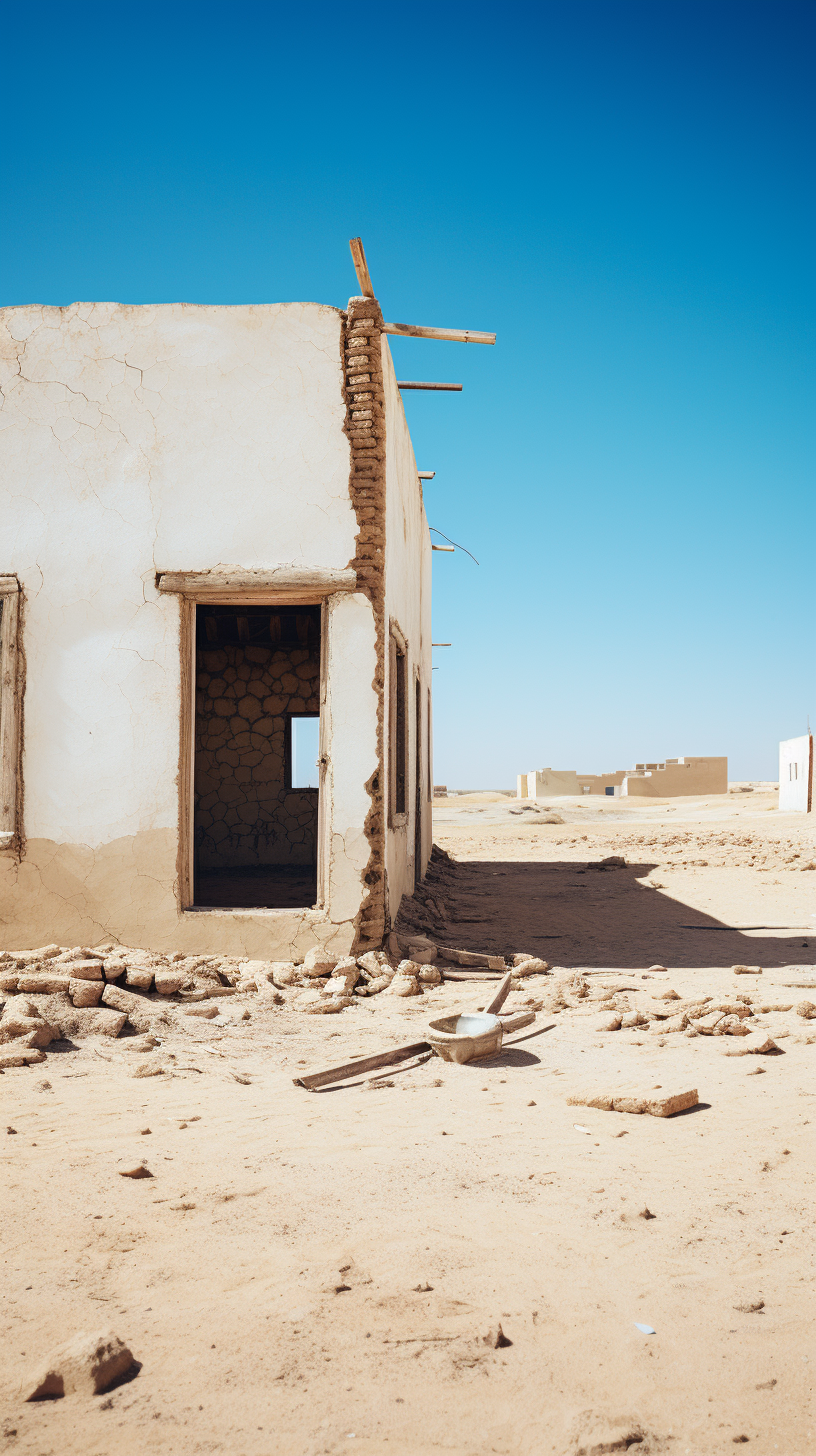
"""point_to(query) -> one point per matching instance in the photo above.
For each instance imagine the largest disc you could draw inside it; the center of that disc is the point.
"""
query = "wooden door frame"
(185, 863)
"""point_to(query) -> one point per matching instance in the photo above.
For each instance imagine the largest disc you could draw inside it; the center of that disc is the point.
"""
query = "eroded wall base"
(125, 892)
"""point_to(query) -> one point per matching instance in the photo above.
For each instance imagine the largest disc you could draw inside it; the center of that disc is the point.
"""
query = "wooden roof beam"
(361, 267)
(421, 331)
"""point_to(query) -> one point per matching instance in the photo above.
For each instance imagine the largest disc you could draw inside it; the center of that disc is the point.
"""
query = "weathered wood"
(434, 547)
(455, 336)
(10, 708)
(499, 996)
(476, 977)
(235, 582)
(186, 777)
(426, 474)
(312, 1080)
(425, 384)
(361, 267)
(515, 1020)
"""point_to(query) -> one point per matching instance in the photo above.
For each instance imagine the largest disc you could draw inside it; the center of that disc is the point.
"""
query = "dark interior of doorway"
(256, 811)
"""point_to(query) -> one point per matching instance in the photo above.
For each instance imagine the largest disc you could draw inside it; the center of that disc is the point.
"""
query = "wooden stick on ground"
(499, 997)
(312, 1080)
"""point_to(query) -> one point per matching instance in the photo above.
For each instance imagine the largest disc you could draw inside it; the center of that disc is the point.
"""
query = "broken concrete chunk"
(205, 1009)
(405, 982)
(430, 976)
(14, 1025)
(658, 968)
(747, 970)
(732, 1026)
(84, 970)
(674, 1023)
(637, 1102)
(531, 967)
(495, 1338)
(313, 1003)
(43, 985)
(139, 1011)
(114, 968)
(284, 973)
(319, 962)
(754, 1042)
(86, 993)
(17, 1055)
(90, 1021)
(806, 1010)
(168, 983)
(87, 1365)
(707, 1025)
(139, 976)
(343, 978)
(375, 965)
(632, 1018)
(608, 1023)
(8, 981)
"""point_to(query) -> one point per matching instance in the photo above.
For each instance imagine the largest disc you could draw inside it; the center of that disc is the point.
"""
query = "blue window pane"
(305, 748)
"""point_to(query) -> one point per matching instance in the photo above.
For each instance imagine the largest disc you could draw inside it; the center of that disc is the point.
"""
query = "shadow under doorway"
(257, 704)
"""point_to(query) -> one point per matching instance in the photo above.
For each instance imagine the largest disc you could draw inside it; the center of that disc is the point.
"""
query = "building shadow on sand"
(578, 916)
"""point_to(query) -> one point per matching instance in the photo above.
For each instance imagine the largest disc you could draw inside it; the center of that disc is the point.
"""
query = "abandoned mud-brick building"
(215, 576)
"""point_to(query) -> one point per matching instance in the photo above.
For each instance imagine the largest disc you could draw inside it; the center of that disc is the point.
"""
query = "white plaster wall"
(408, 602)
(795, 774)
(349, 733)
(136, 440)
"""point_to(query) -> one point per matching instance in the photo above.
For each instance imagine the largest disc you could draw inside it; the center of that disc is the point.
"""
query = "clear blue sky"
(623, 191)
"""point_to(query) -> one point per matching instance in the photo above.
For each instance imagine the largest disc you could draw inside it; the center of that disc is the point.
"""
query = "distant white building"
(796, 775)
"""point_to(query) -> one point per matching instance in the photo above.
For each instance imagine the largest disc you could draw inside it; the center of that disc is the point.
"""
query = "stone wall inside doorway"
(244, 813)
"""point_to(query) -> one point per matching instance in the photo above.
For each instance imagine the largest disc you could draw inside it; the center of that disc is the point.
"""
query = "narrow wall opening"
(257, 706)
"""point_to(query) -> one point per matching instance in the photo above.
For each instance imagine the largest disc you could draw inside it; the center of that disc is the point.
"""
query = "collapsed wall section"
(365, 428)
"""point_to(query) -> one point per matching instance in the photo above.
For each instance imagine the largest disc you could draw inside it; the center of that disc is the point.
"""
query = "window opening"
(256, 729)
(303, 751)
(400, 728)
(429, 752)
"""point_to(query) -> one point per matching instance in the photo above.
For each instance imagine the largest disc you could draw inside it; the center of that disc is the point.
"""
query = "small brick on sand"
(642, 1102)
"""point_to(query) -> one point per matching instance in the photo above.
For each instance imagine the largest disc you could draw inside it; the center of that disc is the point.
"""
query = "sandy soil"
(311, 1273)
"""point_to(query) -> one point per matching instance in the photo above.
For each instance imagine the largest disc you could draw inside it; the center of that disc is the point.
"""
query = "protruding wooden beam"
(441, 644)
(361, 267)
(434, 547)
(426, 474)
(420, 384)
(422, 331)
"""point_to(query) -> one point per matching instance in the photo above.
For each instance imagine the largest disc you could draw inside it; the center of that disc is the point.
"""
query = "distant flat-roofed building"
(667, 780)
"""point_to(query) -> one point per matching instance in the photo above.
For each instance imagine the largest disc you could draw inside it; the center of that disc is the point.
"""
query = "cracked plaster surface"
(144, 439)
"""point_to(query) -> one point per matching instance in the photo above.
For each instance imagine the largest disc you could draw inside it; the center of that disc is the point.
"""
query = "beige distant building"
(796, 775)
(667, 780)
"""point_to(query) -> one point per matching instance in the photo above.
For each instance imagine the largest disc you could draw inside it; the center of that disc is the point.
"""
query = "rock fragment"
(806, 1010)
(747, 970)
(319, 962)
(86, 993)
(636, 1102)
(168, 983)
(87, 1365)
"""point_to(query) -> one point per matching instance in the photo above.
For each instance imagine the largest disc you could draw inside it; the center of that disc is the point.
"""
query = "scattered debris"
(645, 1329)
(747, 970)
(636, 1102)
(495, 1338)
(87, 1365)
(140, 1171)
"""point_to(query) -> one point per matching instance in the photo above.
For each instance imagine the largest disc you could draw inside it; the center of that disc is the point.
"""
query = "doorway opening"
(257, 718)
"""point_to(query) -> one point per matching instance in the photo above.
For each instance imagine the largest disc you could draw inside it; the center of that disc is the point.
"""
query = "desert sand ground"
(311, 1273)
